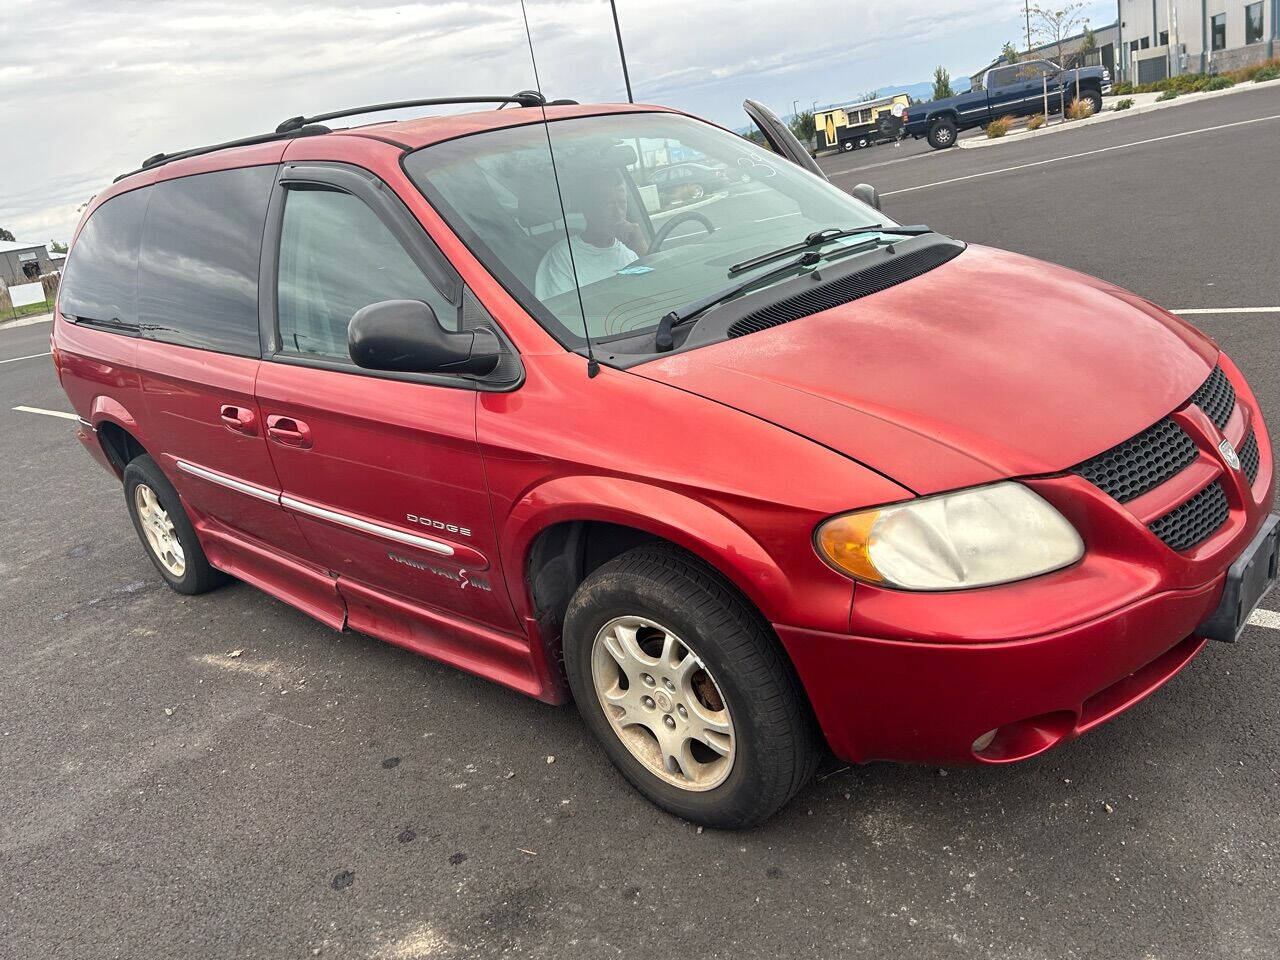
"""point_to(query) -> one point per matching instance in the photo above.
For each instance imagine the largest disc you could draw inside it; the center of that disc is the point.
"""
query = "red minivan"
(743, 474)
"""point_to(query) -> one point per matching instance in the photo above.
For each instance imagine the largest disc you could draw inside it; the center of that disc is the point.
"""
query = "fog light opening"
(1024, 738)
(984, 741)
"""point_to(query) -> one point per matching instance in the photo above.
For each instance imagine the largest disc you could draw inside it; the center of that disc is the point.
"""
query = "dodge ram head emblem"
(1229, 454)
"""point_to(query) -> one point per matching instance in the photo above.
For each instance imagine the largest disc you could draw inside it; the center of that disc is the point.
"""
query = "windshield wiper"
(663, 340)
(819, 237)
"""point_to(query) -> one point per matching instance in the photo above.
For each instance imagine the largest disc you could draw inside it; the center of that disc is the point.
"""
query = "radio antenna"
(593, 367)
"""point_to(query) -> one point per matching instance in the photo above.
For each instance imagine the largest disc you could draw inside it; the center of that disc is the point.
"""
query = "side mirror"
(867, 194)
(405, 336)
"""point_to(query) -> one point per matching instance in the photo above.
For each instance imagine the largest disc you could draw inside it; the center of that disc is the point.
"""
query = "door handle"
(239, 419)
(288, 430)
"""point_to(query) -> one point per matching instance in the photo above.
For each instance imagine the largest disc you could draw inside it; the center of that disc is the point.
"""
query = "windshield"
(659, 207)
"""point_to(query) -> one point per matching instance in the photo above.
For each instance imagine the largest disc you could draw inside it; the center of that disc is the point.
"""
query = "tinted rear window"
(100, 283)
(198, 268)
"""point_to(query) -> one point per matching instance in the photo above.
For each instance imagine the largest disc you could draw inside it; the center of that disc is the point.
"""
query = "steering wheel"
(675, 221)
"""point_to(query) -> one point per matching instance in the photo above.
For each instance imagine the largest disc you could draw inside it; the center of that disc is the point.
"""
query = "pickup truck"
(1008, 90)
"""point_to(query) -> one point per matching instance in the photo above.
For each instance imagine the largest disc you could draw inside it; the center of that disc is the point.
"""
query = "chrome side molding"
(355, 523)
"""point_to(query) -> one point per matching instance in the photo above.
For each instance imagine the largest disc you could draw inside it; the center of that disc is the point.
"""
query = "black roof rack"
(311, 126)
(160, 159)
(526, 98)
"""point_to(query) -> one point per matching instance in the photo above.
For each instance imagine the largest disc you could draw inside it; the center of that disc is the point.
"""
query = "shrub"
(1123, 104)
(1119, 89)
(1169, 94)
(1267, 73)
(1079, 109)
(1035, 121)
(998, 127)
(1219, 83)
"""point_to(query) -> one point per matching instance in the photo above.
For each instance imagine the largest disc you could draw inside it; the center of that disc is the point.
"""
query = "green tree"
(802, 126)
(6, 235)
(1088, 43)
(1009, 53)
(57, 246)
(942, 84)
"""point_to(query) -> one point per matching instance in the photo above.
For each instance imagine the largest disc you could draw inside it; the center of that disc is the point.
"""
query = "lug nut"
(668, 721)
(647, 679)
(684, 714)
(670, 686)
(647, 701)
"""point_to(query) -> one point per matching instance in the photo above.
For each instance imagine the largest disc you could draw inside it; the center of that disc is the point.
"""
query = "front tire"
(849, 146)
(165, 531)
(1094, 99)
(942, 134)
(687, 690)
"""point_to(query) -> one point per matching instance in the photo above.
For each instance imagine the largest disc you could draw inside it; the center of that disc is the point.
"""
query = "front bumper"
(928, 702)
(919, 677)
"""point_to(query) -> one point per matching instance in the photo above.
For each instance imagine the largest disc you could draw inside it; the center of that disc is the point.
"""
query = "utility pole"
(622, 55)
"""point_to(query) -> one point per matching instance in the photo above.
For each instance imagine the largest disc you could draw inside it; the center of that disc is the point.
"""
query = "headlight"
(955, 541)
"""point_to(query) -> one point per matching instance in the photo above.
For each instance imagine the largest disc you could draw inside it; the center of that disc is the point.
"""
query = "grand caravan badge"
(460, 577)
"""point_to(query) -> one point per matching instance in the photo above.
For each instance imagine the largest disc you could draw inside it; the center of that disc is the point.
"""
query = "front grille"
(1141, 463)
(1216, 397)
(1249, 457)
(1185, 526)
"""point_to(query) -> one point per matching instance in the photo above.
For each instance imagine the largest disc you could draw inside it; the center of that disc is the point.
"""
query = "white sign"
(25, 294)
(898, 109)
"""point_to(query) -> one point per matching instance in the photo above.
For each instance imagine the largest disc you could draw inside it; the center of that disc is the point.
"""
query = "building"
(1106, 46)
(853, 125)
(23, 262)
(1167, 37)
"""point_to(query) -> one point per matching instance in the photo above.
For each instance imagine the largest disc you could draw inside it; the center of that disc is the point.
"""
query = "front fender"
(665, 513)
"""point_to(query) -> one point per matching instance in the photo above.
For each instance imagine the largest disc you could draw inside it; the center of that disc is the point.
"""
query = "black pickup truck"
(1016, 90)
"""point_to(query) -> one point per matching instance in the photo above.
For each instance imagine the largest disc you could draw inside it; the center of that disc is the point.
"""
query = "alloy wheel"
(158, 529)
(663, 703)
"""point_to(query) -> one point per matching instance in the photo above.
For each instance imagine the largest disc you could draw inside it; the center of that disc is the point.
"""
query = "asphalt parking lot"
(325, 794)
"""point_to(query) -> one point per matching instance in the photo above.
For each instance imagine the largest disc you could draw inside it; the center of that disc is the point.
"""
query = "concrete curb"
(1106, 115)
(25, 321)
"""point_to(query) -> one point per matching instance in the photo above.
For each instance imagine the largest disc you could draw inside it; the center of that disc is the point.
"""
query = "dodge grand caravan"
(740, 477)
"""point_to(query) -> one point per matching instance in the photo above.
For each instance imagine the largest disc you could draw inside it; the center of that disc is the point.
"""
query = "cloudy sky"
(91, 87)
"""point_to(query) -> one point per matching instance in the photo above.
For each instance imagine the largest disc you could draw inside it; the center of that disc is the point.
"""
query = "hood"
(991, 366)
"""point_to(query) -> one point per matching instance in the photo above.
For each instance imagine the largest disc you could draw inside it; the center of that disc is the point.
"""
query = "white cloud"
(91, 88)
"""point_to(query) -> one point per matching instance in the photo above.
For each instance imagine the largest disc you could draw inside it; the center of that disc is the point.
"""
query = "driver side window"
(337, 256)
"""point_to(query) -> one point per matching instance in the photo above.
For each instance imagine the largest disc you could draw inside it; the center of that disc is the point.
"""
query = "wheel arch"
(117, 432)
(559, 531)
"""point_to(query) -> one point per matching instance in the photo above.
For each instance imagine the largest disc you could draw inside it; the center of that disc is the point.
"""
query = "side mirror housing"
(867, 194)
(406, 337)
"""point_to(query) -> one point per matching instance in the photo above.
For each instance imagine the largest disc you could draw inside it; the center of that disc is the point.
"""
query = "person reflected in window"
(607, 243)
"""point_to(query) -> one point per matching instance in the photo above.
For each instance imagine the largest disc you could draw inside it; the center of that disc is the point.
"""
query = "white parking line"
(30, 356)
(1265, 618)
(1074, 156)
(1196, 310)
(48, 413)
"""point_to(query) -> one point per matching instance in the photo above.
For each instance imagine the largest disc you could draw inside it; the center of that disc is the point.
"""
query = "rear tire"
(165, 530)
(942, 134)
(848, 146)
(707, 688)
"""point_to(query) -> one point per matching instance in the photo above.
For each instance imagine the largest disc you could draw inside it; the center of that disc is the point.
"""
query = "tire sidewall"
(616, 596)
(938, 127)
(145, 470)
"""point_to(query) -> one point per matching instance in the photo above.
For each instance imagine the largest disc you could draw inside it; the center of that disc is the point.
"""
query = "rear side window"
(198, 267)
(337, 256)
(100, 283)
